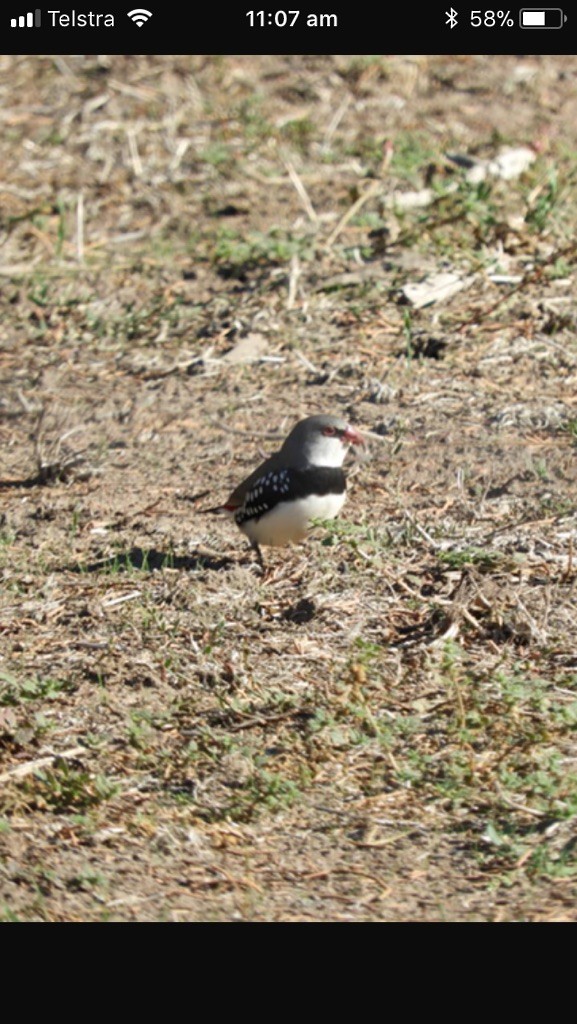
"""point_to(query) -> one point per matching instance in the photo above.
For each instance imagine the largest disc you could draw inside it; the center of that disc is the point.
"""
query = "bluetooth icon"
(451, 19)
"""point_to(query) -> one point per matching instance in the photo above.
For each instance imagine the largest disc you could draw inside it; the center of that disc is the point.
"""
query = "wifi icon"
(139, 16)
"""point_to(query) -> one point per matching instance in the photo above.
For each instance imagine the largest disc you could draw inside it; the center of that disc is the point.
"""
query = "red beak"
(352, 436)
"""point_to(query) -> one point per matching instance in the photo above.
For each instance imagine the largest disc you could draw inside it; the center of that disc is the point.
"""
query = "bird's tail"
(217, 509)
(214, 510)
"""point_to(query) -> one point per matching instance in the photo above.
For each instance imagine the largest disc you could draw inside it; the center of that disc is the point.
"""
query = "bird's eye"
(329, 431)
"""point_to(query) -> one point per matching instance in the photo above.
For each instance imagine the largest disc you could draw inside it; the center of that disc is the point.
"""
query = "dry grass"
(382, 727)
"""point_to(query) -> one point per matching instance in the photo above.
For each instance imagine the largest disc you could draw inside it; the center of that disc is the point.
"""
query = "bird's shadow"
(150, 559)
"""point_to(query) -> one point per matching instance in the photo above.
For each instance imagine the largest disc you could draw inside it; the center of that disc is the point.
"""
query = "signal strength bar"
(29, 20)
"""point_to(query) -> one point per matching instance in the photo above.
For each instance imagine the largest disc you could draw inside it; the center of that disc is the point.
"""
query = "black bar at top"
(356, 29)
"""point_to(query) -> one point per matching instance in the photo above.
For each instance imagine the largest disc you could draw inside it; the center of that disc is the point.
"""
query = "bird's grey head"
(320, 441)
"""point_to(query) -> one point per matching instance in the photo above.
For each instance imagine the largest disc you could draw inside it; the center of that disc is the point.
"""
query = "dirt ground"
(195, 252)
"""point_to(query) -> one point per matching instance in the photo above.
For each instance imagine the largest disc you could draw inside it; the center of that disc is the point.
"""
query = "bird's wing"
(237, 497)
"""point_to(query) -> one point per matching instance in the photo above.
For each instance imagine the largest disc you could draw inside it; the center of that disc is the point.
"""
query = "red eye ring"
(329, 431)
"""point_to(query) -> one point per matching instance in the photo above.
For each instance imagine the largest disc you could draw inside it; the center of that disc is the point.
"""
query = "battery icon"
(542, 17)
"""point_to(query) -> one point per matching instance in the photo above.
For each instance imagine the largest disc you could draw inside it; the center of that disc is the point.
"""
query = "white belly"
(288, 521)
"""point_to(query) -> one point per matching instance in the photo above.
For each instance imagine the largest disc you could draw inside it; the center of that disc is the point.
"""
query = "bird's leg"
(255, 547)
